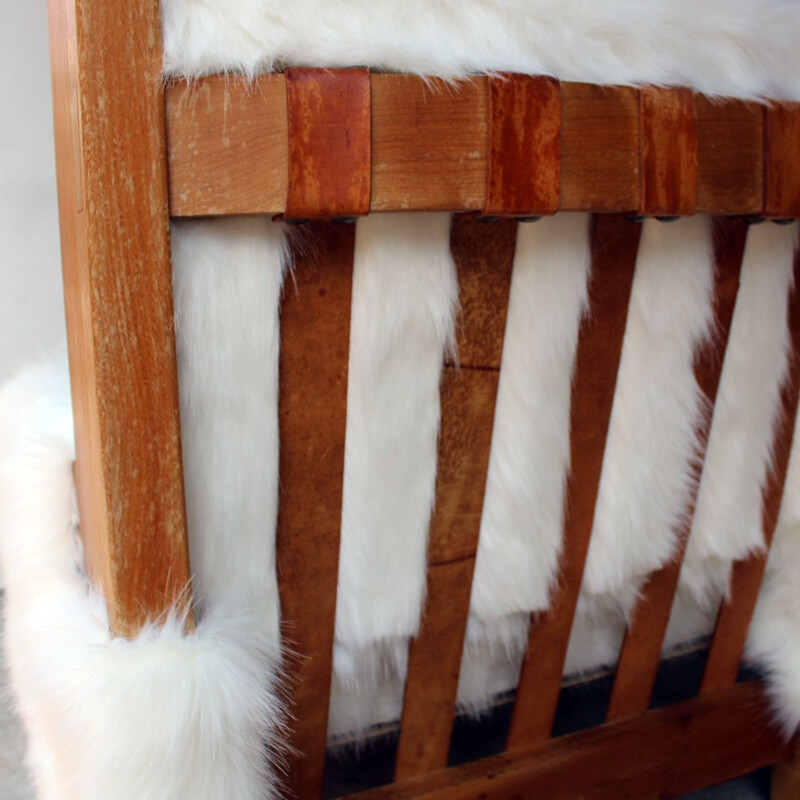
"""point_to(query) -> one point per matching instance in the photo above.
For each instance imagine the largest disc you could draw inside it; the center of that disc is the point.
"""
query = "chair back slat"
(315, 341)
(641, 649)
(615, 243)
(484, 260)
(737, 608)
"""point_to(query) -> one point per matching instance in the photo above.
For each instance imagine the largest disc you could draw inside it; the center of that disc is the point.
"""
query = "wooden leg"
(786, 777)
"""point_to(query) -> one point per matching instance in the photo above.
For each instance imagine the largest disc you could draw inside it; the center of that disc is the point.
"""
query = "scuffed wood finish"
(668, 136)
(524, 158)
(329, 142)
(228, 146)
(615, 243)
(663, 753)
(730, 151)
(428, 144)
(599, 148)
(782, 167)
(641, 650)
(484, 255)
(315, 339)
(736, 612)
(112, 187)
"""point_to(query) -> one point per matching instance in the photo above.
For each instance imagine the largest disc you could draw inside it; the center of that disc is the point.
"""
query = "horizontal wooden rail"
(675, 750)
(509, 145)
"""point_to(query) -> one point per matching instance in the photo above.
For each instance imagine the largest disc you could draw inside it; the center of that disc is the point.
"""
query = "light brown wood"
(329, 142)
(599, 148)
(782, 167)
(113, 213)
(663, 753)
(315, 339)
(484, 255)
(228, 146)
(615, 243)
(641, 649)
(428, 144)
(668, 131)
(524, 159)
(736, 611)
(730, 150)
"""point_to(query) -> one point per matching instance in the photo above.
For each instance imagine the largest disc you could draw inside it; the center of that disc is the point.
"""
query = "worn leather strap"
(523, 171)
(329, 143)
(668, 151)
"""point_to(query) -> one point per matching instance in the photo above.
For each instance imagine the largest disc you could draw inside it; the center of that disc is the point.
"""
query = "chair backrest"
(131, 154)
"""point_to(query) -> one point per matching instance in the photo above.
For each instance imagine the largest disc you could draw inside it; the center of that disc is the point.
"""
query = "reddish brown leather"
(329, 143)
(668, 141)
(730, 152)
(782, 161)
(523, 174)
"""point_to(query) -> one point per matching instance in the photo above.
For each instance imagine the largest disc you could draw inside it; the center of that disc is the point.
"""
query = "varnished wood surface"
(782, 167)
(668, 130)
(730, 151)
(663, 753)
(641, 649)
(329, 142)
(113, 213)
(599, 148)
(785, 784)
(484, 256)
(737, 609)
(315, 341)
(524, 161)
(435, 147)
(615, 242)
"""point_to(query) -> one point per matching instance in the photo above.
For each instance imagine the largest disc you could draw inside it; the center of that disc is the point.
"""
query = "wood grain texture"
(641, 649)
(329, 142)
(668, 138)
(663, 753)
(228, 146)
(468, 399)
(428, 144)
(599, 148)
(113, 212)
(730, 151)
(523, 173)
(615, 242)
(782, 164)
(733, 622)
(315, 339)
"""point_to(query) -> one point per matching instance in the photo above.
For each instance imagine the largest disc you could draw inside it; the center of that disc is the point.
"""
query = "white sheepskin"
(727, 521)
(227, 289)
(742, 48)
(405, 295)
(157, 718)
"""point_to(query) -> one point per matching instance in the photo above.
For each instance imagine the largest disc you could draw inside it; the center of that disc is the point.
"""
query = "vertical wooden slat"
(112, 184)
(484, 255)
(736, 611)
(641, 650)
(315, 341)
(614, 246)
(786, 776)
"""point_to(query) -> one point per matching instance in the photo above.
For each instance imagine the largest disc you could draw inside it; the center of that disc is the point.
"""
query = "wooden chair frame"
(127, 155)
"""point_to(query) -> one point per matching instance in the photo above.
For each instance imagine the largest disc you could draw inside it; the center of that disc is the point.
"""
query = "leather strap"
(523, 172)
(329, 143)
(668, 151)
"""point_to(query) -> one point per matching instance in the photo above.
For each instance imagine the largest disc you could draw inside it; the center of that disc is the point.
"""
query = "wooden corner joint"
(330, 143)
